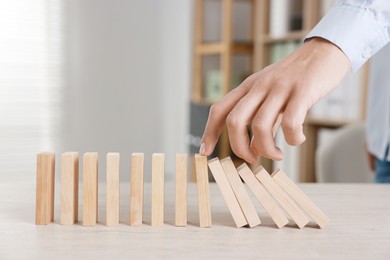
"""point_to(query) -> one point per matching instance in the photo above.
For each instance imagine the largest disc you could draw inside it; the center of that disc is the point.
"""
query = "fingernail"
(202, 149)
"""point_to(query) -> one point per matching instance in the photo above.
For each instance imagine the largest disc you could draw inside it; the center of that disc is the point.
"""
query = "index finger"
(217, 116)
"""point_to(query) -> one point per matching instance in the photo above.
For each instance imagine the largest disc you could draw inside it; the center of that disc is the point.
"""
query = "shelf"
(218, 48)
(290, 36)
(202, 101)
(242, 48)
(330, 123)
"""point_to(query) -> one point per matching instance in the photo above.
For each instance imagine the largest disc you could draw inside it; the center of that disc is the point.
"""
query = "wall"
(127, 78)
(176, 76)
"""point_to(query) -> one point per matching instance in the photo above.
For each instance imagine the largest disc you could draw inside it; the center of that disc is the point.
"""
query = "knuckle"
(292, 131)
(232, 121)
(239, 151)
(290, 125)
(259, 129)
(250, 78)
(215, 110)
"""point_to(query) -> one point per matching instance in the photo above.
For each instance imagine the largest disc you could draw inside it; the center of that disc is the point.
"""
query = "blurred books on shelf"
(285, 16)
(213, 91)
(282, 49)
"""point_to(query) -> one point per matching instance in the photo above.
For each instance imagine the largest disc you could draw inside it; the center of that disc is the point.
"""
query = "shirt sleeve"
(358, 28)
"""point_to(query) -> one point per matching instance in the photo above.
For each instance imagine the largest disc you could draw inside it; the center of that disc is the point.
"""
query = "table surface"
(359, 228)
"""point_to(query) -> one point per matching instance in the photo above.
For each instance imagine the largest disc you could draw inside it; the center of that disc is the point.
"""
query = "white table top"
(359, 229)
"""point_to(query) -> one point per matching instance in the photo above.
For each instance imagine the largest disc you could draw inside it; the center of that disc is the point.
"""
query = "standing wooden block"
(300, 198)
(69, 188)
(157, 189)
(263, 196)
(202, 179)
(90, 189)
(136, 189)
(112, 192)
(181, 190)
(241, 194)
(45, 188)
(284, 200)
(227, 192)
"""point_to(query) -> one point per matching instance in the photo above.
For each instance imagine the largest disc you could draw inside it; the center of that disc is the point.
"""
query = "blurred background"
(140, 75)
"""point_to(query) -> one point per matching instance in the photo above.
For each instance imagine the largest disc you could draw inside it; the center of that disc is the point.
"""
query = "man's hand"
(281, 93)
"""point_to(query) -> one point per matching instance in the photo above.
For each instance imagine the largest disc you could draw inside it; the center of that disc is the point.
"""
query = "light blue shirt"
(360, 29)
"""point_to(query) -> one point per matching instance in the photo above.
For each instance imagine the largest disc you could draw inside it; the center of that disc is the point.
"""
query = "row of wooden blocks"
(275, 192)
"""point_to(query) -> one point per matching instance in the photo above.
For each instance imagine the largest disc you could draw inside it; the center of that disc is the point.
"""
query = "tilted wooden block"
(181, 190)
(69, 188)
(300, 198)
(202, 180)
(284, 200)
(239, 190)
(45, 188)
(227, 192)
(157, 189)
(112, 192)
(262, 195)
(90, 189)
(136, 189)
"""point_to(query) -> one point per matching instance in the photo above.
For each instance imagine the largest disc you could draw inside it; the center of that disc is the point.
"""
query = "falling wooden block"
(69, 188)
(202, 179)
(157, 189)
(227, 192)
(241, 194)
(136, 189)
(181, 190)
(45, 188)
(263, 196)
(284, 200)
(112, 191)
(90, 189)
(300, 198)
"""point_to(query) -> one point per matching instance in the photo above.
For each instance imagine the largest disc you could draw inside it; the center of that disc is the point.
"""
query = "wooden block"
(112, 191)
(45, 188)
(90, 189)
(227, 192)
(239, 190)
(136, 189)
(263, 196)
(284, 200)
(181, 191)
(300, 198)
(157, 189)
(202, 179)
(69, 188)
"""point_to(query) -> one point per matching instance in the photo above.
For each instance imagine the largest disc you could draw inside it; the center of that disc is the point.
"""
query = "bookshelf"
(274, 29)
(222, 58)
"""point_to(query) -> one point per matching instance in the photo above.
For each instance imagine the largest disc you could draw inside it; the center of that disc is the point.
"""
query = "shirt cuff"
(355, 30)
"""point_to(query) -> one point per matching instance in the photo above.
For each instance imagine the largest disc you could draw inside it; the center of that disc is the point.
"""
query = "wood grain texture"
(227, 192)
(44, 207)
(359, 228)
(284, 200)
(112, 191)
(240, 192)
(181, 191)
(262, 195)
(90, 189)
(202, 180)
(157, 189)
(136, 189)
(300, 198)
(69, 188)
